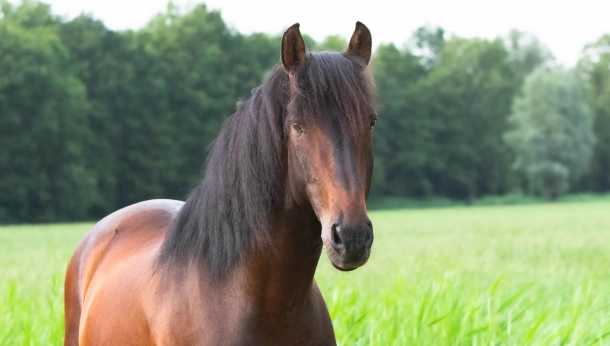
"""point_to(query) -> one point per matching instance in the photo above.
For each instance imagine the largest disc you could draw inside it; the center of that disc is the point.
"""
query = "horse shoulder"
(113, 267)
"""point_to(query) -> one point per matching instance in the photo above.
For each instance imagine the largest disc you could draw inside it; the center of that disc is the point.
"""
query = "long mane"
(245, 172)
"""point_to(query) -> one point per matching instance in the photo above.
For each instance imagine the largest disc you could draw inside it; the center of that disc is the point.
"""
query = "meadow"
(501, 275)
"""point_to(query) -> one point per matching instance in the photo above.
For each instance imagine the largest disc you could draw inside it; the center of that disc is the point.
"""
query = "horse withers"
(234, 265)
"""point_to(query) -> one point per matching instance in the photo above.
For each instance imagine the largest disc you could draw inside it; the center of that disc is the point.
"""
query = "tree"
(443, 114)
(201, 68)
(552, 134)
(334, 43)
(526, 53)
(427, 43)
(402, 147)
(594, 69)
(469, 93)
(118, 117)
(103, 61)
(30, 14)
(42, 122)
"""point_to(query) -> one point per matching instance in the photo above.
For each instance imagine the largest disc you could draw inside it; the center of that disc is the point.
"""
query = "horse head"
(329, 124)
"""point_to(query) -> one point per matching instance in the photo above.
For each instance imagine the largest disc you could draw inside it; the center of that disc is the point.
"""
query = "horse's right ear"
(293, 47)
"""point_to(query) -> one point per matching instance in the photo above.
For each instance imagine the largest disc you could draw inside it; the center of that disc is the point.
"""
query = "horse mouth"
(342, 269)
(346, 262)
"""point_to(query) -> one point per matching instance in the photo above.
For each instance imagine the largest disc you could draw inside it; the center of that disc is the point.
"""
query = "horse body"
(235, 263)
(113, 274)
(117, 252)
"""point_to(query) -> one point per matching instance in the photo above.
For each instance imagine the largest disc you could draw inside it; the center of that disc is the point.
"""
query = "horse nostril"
(369, 238)
(335, 237)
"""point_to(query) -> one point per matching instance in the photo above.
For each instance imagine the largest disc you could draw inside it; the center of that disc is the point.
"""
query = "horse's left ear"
(361, 43)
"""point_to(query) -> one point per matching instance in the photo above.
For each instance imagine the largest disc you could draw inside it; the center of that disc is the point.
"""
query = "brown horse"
(235, 263)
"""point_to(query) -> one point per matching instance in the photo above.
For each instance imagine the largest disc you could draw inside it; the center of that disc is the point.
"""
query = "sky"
(563, 26)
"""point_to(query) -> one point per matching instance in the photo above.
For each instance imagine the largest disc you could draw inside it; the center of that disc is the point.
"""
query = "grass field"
(513, 275)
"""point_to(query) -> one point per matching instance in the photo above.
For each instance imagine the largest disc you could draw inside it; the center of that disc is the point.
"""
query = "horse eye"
(297, 128)
(373, 122)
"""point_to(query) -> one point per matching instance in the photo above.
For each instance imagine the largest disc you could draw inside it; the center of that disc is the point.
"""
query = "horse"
(287, 175)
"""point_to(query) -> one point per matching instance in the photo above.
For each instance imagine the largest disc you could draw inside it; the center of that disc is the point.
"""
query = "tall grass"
(519, 275)
(390, 203)
(33, 260)
(511, 275)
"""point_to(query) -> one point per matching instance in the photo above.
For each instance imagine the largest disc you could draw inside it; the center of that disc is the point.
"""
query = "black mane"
(245, 172)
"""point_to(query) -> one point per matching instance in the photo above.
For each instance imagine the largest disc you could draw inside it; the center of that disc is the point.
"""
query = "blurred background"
(104, 104)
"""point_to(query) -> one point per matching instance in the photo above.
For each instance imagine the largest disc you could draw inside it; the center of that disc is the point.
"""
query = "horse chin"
(338, 261)
(342, 269)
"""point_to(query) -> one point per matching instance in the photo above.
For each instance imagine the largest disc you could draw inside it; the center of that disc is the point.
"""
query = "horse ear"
(293, 47)
(361, 43)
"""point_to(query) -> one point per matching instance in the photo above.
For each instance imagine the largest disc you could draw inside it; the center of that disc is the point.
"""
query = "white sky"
(564, 26)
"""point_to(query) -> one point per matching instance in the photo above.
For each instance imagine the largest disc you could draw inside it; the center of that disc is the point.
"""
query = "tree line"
(93, 119)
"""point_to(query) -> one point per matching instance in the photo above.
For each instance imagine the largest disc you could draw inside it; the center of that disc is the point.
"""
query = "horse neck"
(279, 278)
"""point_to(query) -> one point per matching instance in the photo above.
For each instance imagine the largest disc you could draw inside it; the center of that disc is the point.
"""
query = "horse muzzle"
(348, 244)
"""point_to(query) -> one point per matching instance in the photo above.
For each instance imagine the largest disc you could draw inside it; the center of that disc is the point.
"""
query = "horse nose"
(336, 239)
(355, 239)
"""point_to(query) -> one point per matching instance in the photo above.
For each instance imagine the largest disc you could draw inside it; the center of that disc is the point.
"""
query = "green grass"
(33, 261)
(389, 203)
(509, 275)
(515, 275)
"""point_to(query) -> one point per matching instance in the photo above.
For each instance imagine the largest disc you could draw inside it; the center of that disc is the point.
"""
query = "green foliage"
(594, 69)
(43, 124)
(391, 203)
(552, 131)
(473, 92)
(526, 53)
(513, 275)
(515, 198)
(402, 136)
(30, 14)
(119, 117)
(92, 119)
(441, 123)
(427, 42)
(334, 43)
(203, 70)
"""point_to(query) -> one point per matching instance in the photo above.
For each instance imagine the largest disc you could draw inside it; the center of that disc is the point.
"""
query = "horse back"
(108, 272)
